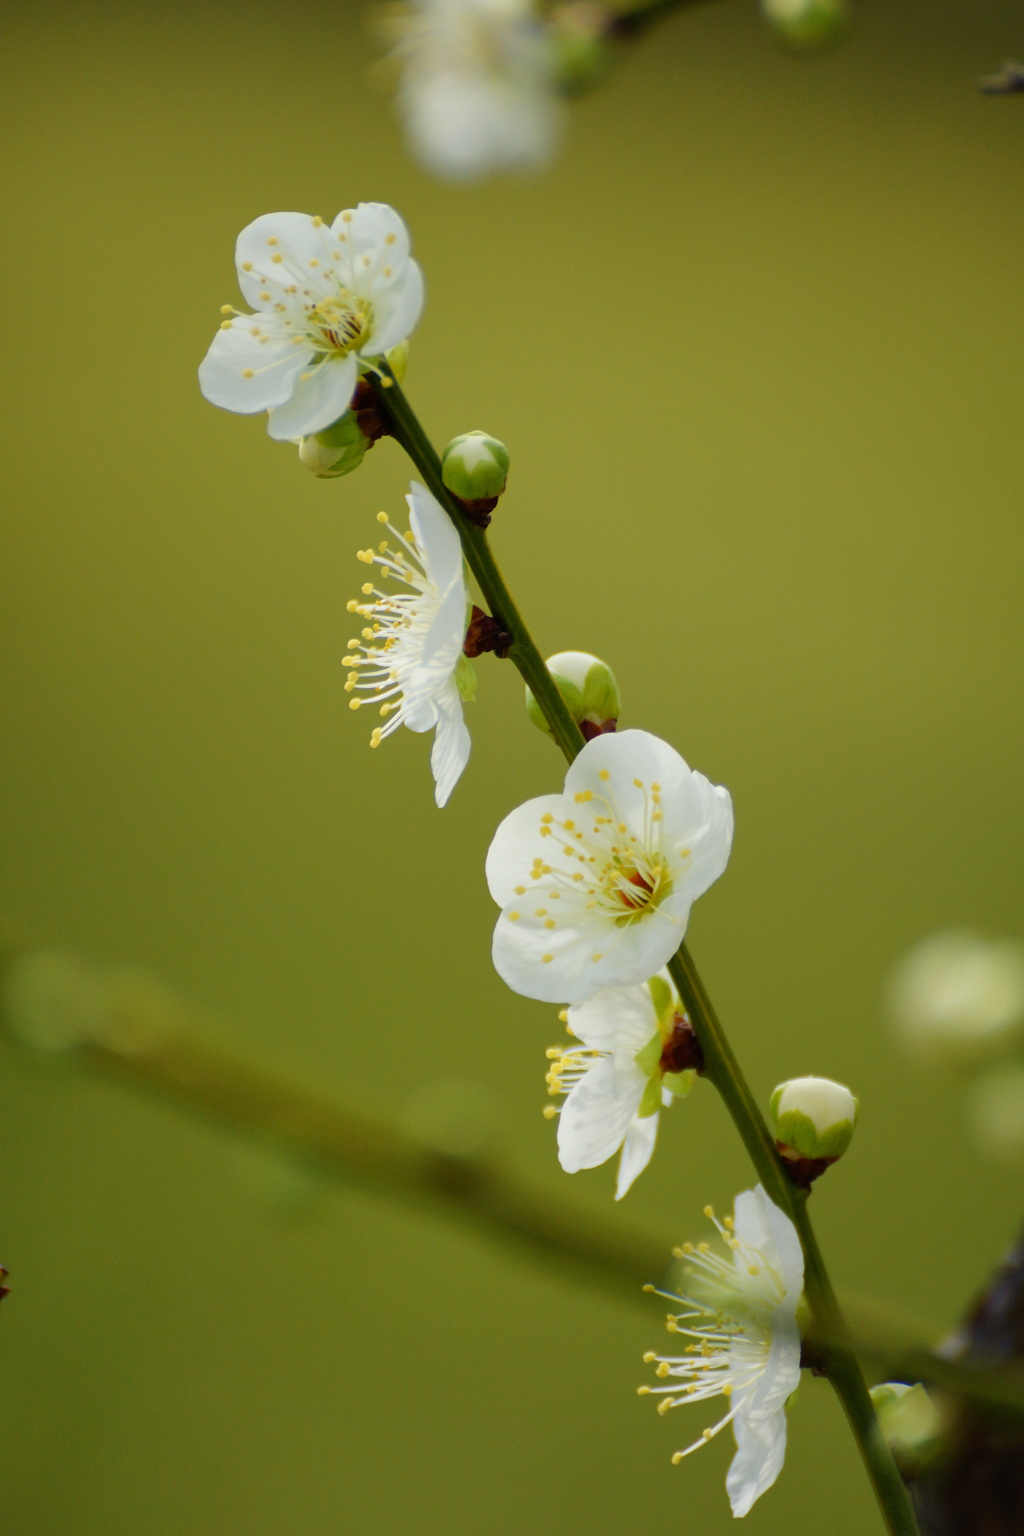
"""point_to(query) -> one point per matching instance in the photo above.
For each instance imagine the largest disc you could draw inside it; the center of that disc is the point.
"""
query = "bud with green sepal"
(589, 689)
(814, 1120)
(337, 450)
(474, 467)
(912, 1426)
(808, 26)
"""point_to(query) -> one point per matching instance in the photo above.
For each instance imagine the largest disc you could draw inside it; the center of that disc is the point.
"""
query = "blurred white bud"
(814, 1116)
(958, 996)
(911, 1423)
(995, 1110)
(807, 26)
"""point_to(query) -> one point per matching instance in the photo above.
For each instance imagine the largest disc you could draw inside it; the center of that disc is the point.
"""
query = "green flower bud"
(474, 466)
(589, 689)
(808, 26)
(814, 1117)
(911, 1424)
(337, 450)
(581, 53)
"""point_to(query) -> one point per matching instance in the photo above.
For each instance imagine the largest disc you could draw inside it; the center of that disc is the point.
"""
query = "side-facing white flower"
(636, 1052)
(476, 91)
(596, 884)
(327, 298)
(409, 659)
(742, 1320)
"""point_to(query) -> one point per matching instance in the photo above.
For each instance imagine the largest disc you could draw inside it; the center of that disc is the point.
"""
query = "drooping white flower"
(409, 659)
(327, 298)
(741, 1319)
(636, 1052)
(476, 91)
(596, 884)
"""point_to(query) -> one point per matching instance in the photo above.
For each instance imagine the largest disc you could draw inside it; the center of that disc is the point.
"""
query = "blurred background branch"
(124, 1023)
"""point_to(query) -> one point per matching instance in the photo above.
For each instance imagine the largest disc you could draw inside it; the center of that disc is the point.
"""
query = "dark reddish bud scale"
(681, 1052)
(485, 634)
(479, 512)
(802, 1170)
(589, 729)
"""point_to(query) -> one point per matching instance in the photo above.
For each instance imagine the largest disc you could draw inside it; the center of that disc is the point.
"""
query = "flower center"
(337, 325)
(636, 887)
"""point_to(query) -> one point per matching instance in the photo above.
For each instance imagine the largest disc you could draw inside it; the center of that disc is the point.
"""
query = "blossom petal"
(374, 230)
(700, 819)
(614, 1018)
(436, 538)
(637, 1151)
(760, 1453)
(450, 752)
(396, 310)
(761, 1225)
(516, 844)
(304, 251)
(320, 395)
(463, 123)
(242, 373)
(572, 961)
(781, 1375)
(597, 1114)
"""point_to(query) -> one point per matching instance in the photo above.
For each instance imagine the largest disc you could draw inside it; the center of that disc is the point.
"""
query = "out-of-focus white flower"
(742, 1320)
(409, 660)
(636, 1053)
(327, 298)
(911, 1423)
(958, 995)
(596, 884)
(476, 91)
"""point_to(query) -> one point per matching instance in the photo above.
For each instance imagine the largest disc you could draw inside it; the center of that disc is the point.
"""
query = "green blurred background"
(754, 344)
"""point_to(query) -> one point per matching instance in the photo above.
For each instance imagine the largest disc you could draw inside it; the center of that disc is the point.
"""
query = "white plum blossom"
(636, 1052)
(742, 1323)
(596, 884)
(409, 658)
(958, 995)
(328, 299)
(476, 91)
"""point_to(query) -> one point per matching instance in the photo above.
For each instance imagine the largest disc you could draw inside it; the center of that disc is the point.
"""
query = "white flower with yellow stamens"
(409, 659)
(636, 1053)
(596, 884)
(742, 1321)
(328, 298)
(477, 87)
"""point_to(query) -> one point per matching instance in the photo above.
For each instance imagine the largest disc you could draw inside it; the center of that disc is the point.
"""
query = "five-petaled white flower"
(637, 1052)
(409, 659)
(476, 91)
(596, 884)
(742, 1320)
(328, 298)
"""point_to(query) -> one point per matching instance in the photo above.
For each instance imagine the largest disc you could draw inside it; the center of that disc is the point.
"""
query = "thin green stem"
(720, 1065)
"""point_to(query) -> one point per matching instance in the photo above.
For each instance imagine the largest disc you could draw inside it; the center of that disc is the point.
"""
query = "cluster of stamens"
(610, 871)
(333, 325)
(730, 1343)
(395, 625)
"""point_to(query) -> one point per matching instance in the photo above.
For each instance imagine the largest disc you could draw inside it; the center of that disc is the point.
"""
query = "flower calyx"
(814, 1120)
(485, 634)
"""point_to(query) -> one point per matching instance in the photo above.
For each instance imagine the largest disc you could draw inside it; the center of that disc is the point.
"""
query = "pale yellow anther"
(354, 703)
(638, 783)
(549, 1111)
(604, 774)
(546, 959)
(388, 271)
(246, 266)
(382, 517)
(226, 325)
(247, 373)
(665, 1404)
(709, 1212)
(656, 789)
(595, 958)
(677, 1457)
(313, 261)
(583, 795)
(728, 1222)
(366, 588)
(727, 1389)
(273, 240)
(550, 923)
(563, 1017)
(277, 259)
(677, 1253)
(347, 216)
(352, 606)
(541, 912)
(375, 736)
(389, 239)
(520, 890)
(546, 819)
(514, 917)
(662, 1370)
(569, 825)
(350, 683)
(265, 296)
(643, 1391)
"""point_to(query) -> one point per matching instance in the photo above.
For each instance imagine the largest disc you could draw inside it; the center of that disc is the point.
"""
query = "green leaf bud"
(814, 1117)
(911, 1423)
(337, 450)
(474, 466)
(589, 689)
(808, 26)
